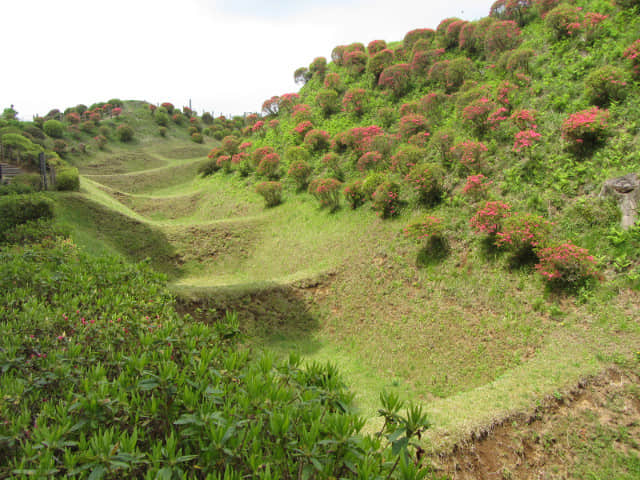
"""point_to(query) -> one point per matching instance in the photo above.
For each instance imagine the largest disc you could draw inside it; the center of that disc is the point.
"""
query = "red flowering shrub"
(543, 6)
(432, 104)
(425, 179)
(422, 61)
(376, 46)
(333, 166)
(244, 146)
(269, 166)
(468, 39)
(258, 154)
(271, 192)
(288, 101)
(523, 232)
(524, 119)
(317, 140)
(476, 114)
(101, 141)
(337, 55)
(318, 67)
(355, 101)
(125, 133)
(562, 20)
(301, 112)
(72, 117)
(274, 124)
(328, 101)
(379, 62)
(152, 108)
(419, 139)
(566, 265)
(495, 119)
(271, 106)
(168, 106)
(258, 127)
(215, 152)
(501, 36)
(452, 34)
(469, 154)
(593, 25)
(450, 74)
(356, 62)
(605, 85)
(396, 79)
(412, 124)
(300, 171)
(177, 118)
(525, 140)
(224, 162)
(303, 128)
(425, 230)
(353, 194)
(410, 108)
(476, 186)
(333, 81)
(442, 142)
(197, 137)
(516, 10)
(357, 139)
(370, 161)
(585, 129)
(441, 29)
(413, 36)
(490, 217)
(230, 144)
(386, 199)
(95, 117)
(633, 54)
(327, 192)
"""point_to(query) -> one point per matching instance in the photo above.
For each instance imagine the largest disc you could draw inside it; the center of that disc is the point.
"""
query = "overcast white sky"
(226, 56)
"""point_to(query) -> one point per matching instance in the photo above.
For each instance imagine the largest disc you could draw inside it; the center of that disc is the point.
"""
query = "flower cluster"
(633, 54)
(476, 186)
(269, 166)
(412, 124)
(524, 119)
(356, 62)
(396, 78)
(501, 36)
(302, 128)
(586, 128)
(224, 162)
(565, 265)
(333, 81)
(301, 112)
(525, 139)
(168, 106)
(353, 194)
(470, 154)
(477, 113)
(369, 161)
(326, 191)
(259, 153)
(524, 231)
(563, 20)
(317, 140)
(258, 127)
(376, 46)
(354, 101)
(490, 217)
(299, 171)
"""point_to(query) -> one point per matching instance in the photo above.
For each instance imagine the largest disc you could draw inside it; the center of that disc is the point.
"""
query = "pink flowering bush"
(317, 140)
(566, 266)
(301, 112)
(605, 85)
(420, 139)
(72, 117)
(258, 127)
(271, 106)
(422, 61)
(468, 39)
(469, 154)
(333, 81)
(525, 140)
(396, 79)
(516, 10)
(269, 166)
(524, 119)
(632, 53)
(522, 234)
(357, 139)
(230, 144)
(381, 60)
(429, 232)
(593, 25)
(287, 101)
(412, 124)
(586, 129)
(563, 20)
(353, 194)
(426, 181)
(244, 146)
(327, 192)
(302, 128)
(259, 153)
(450, 74)
(370, 161)
(376, 46)
(413, 36)
(476, 114)
(356, 62)
(300, 171)
(406, 157)
(168, 106)
(274, 124)
(318, 67)
(501, 36)
(386, 199)
(451, 35)
(337, 55)
(271, 192)
(476, 186)
(490, 217)
(354, 101)
(224, 162)
(328, 101)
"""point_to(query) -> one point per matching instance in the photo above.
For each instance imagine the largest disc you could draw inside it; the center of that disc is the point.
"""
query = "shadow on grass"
(271, 315)
(133, 239)
(435, 252)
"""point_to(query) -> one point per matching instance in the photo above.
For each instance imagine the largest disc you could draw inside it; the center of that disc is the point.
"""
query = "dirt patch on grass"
(592, 431)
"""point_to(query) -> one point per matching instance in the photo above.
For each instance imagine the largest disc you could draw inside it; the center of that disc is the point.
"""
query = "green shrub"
(327, 192)
(371, 183)
(162, 131)
(125, 133)
(53, 128)
(162, 118)
(209, 167)
(18, 209)
(386, 200)
(34, 231)
(605, 85)
(271, 192)
(26, 183)
(353, 194)
(197, 137)
(300, 171)
(68, 179)
(562, 20)
(426, 180)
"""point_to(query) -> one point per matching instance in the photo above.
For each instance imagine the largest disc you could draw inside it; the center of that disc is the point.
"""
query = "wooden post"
(43, 170)
(0, 173)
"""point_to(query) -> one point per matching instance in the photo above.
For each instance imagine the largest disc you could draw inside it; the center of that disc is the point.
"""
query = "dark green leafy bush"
(68, 179)
(53, 128)
(19, 209)
(271, 192)
(125, 133)
(606, 84)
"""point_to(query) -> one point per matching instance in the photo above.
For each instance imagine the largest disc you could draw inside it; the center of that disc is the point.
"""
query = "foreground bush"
(566, 266)
(327, 192)
(18, 209)
(271, 192)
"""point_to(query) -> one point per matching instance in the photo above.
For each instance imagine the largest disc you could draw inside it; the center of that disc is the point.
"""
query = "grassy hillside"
(439, 234)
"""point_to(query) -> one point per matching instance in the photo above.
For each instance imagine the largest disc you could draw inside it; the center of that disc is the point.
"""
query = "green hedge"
(18, 209)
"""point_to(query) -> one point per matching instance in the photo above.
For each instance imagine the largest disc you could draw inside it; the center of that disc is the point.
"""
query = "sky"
(225, 56)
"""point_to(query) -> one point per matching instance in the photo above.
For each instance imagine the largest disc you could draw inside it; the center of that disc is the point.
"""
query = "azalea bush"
(370, 161)
(271, 192)
(333, 81)
(525, 140)
(413, 36)
(125, 133)
(381, 60)
(523, 234)
(516, 10)
(353, 194)
(412, 124)
(396, 79)
(376, 46)
(300, 171)
(586, 129)
(386, 199)
(566, 266)
(356, 62)
(476, 114)
(469, 154)
(476, 186)
(426, 180)
(269, 166)
(501, 36)
(605, 85)
(563, 20)
(327, 192)
(489, 218)
(354, 101)
(328, 100)
(632, 53)
(317, 140)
